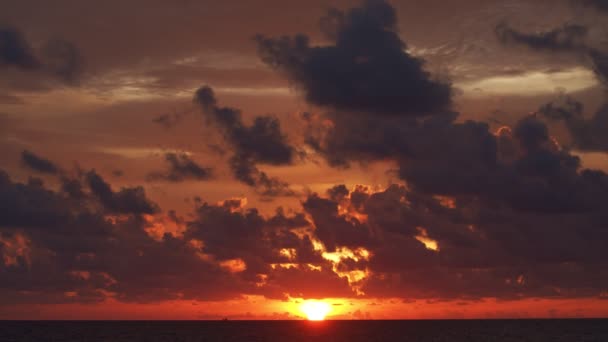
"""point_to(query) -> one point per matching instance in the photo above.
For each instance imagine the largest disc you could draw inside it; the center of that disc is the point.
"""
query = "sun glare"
(315, 310)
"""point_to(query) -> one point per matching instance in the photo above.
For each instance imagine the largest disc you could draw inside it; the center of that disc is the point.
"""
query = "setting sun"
(315, 310)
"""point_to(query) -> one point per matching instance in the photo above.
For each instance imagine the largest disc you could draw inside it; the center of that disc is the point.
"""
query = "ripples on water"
(287, 331)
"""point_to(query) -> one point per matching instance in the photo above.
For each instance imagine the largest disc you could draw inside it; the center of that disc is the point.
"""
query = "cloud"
(535, 175)
(124, 201)
(181, 168)
(62, 250)
(480, 197)
(15, 50)
(570, 37)
(437, 155)
(63, 59)
(586, 134)
(166, 120)
(348, 243)
(56, 58)
(262, 142)
(332, 228)
(56, 248)
(600, 65)
(365, 68)
(599, 4)
(492, 246)
(246, 171)
(480, 251)
(169, 120)
(37, 163)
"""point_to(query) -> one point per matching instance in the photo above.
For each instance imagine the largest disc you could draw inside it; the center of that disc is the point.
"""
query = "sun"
(315, 310)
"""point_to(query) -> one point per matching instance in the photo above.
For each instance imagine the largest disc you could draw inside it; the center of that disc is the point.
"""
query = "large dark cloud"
(365, 68)
(38, 163)
(181, 168)
(57, 58)
(262, 142)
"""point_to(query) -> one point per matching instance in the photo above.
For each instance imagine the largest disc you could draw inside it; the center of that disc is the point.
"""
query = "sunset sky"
(208, 159)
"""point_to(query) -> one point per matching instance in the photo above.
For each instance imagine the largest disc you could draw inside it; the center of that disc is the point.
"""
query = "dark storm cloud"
(365, 69)
(262, 142)
(181, 168)
(38, 163)
(58, 58)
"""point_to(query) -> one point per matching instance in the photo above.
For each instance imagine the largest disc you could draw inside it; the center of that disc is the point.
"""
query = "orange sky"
(259, 308)
(404, 161)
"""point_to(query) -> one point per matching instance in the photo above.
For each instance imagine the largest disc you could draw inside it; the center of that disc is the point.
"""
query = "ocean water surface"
(426, 330)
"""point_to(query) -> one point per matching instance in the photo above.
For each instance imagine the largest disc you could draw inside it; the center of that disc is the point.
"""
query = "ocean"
(425, 330)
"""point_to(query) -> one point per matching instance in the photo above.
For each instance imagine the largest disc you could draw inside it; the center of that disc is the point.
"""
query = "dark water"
(454, 331)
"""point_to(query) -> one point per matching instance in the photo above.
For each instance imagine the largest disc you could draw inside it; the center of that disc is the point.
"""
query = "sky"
(218, 159)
